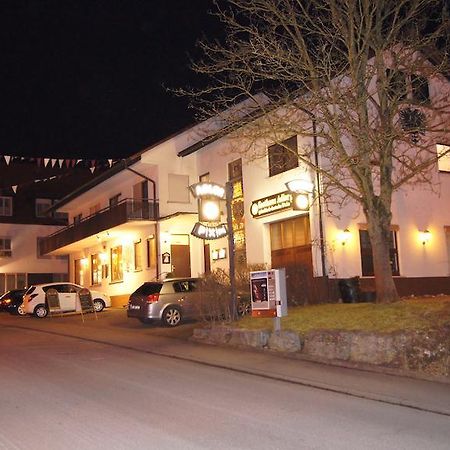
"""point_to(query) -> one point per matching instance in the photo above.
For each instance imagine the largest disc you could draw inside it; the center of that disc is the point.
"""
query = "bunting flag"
(52, 163)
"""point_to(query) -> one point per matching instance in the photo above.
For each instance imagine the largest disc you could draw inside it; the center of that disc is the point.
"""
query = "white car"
(34, 300)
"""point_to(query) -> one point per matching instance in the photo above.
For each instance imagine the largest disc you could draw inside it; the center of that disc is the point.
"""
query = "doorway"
(181, 260)
(291, 248)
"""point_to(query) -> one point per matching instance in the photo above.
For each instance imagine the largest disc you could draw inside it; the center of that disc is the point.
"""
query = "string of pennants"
(59, 162)
(55, 163)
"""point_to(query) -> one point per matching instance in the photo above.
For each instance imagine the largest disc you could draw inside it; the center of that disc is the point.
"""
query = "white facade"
(415, 209)
(18, 269)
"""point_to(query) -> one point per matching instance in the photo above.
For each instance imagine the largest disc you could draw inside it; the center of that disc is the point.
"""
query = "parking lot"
(107, 321)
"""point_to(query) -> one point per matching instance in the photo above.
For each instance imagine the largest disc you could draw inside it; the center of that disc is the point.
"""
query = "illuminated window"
(138, 255)
(443, 152)
(116, 264)
(96, 269)
(151, 252)
(283, 157)
(77, 271)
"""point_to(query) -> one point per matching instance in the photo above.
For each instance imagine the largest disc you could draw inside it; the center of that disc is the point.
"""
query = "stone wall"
(426, 352)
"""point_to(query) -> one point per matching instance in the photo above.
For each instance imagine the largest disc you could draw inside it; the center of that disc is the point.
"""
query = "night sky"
(84, 78)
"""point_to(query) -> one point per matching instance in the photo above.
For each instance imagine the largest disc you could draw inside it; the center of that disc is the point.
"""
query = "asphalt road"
(68, 393)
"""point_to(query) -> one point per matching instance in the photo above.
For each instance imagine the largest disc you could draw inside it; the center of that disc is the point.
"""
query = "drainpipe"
(319, 199)
(319, 194)
(154, 210)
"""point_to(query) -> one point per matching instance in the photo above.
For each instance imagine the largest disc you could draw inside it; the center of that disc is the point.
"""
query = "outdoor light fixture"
(344, 236)
(424, 236)
(209, 210)
(84, 262)
(300, 186)
(300, 202)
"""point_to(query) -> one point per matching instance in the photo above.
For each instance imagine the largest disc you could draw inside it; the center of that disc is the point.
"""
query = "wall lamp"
(424, 236)
(300, 190)
(344, 236)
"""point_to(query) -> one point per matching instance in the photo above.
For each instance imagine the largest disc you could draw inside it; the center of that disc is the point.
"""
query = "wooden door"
(181, 260)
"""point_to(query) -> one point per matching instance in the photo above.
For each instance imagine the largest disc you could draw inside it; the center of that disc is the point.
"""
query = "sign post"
(209, 226)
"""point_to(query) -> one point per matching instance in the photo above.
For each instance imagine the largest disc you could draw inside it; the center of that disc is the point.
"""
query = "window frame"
(442, 161)
(366, 254)
(137, 255)
(5, 250)
(116, 266)
(96, 269)
(282, 157)
(6, 206)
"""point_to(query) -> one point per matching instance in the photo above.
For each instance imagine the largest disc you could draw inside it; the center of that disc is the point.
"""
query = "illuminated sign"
(206, 232)
(272, 204)
(206, 189)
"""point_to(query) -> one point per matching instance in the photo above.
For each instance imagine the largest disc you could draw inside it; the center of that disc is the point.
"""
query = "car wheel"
(171, 316)
(244, 309)
(98, 305)
(21, 311)
(40, 311)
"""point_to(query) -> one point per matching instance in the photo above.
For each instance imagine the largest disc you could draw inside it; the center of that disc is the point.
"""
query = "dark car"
(11, 301)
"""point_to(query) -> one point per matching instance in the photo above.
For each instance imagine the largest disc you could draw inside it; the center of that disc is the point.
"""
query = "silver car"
(170, 301)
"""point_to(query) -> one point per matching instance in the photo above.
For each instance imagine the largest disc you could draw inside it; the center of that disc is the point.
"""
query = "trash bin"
(349, 289)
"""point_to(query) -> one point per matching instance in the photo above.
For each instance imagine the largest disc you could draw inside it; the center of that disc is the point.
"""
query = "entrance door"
(291, 249)
(181, 260)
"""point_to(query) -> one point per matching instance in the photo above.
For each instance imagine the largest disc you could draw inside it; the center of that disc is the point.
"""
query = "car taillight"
(152, 298)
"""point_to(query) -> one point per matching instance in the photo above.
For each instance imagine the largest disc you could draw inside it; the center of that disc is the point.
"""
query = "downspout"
(155, 210)
(319, 194)
(319, 197)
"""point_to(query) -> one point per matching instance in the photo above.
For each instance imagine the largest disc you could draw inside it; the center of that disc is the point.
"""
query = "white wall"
(24, 250)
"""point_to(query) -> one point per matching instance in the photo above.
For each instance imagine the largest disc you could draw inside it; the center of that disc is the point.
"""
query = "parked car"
(11, 301)
(34, 300)
(170, 301)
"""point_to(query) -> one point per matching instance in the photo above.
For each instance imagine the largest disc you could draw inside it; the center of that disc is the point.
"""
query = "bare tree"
(350, 74)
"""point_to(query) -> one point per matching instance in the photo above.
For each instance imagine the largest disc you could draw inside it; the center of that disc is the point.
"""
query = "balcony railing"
(126, 210)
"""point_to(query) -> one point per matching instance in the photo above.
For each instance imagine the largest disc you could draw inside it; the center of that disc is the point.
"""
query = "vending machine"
(268, 293)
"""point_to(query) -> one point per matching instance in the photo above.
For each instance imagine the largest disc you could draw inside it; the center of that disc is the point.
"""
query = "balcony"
(127, 210)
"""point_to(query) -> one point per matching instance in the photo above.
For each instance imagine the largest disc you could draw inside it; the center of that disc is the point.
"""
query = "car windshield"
(30, 289)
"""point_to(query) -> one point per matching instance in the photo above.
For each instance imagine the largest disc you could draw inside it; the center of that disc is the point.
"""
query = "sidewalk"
(111, 329)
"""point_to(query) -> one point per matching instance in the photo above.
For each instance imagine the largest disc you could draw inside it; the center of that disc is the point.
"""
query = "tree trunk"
(380, 233)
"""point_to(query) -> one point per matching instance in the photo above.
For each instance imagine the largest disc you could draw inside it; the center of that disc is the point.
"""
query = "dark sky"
(83, 78)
